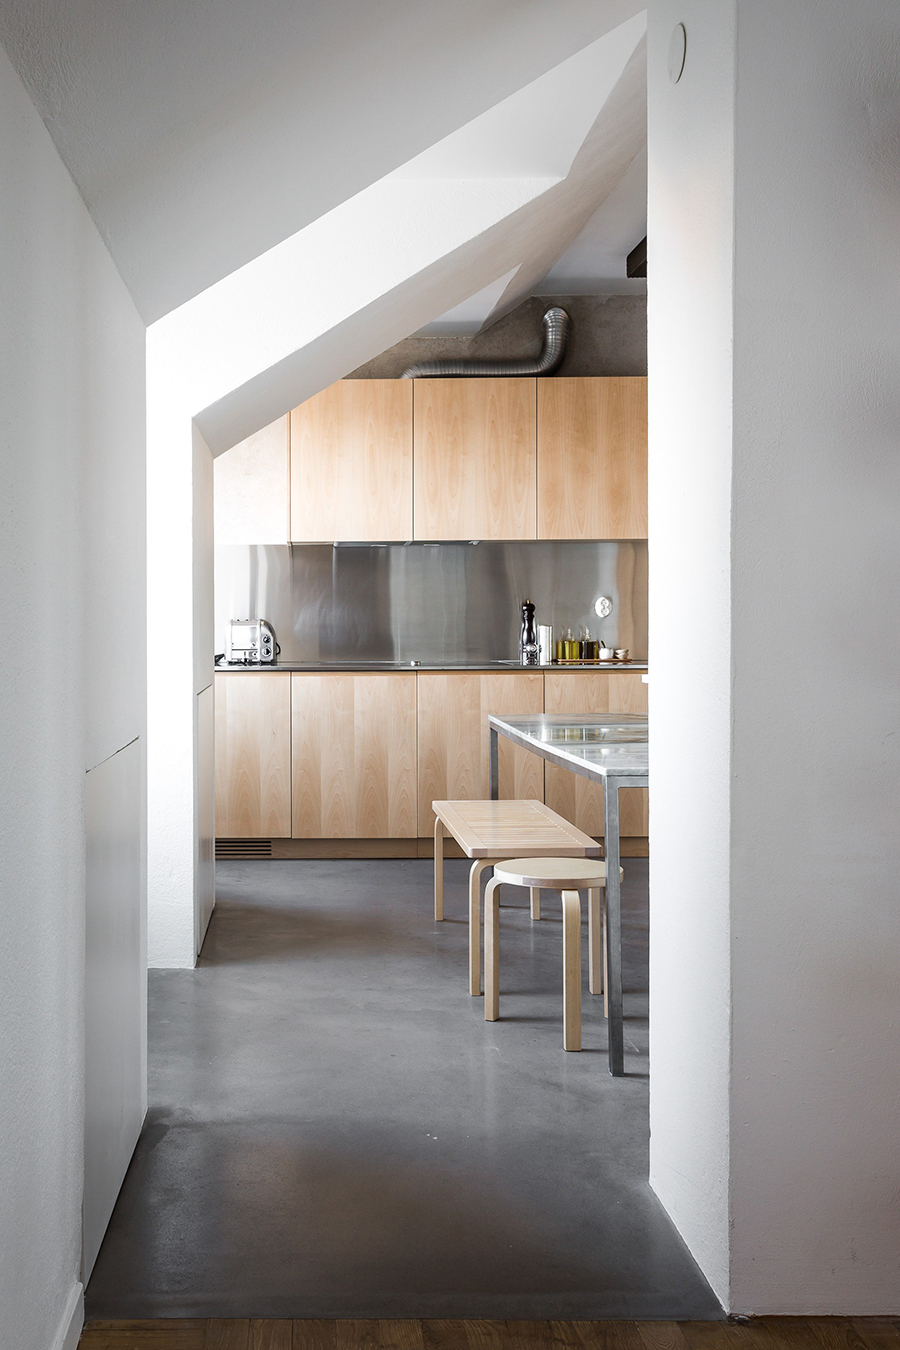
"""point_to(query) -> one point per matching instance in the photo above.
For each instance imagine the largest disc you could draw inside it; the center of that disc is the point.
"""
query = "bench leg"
(595, 942)
(438, 868)
(535, 902)
(492, 951)
(475, 872)
(571, 904)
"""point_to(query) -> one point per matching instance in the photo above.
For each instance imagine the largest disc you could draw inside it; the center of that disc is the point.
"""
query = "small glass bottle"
(573, 646)
(589, 646)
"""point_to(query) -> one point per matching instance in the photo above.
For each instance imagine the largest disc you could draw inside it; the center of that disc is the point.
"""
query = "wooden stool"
(568, 876)
(490, 832)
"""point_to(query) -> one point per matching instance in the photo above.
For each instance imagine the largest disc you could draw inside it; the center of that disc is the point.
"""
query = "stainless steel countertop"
(374, 667)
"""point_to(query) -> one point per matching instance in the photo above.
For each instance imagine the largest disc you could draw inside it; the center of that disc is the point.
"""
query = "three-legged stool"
(568, 876)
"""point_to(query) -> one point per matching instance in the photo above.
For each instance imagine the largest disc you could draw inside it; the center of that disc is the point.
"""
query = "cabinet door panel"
(592, 458)
(354, 756)
(351, 463)
(454, 749)
(579, 800)
(253, 756)
(251, 488)
(475, 457)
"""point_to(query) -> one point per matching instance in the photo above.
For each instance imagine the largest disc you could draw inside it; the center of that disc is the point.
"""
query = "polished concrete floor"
(335, 1131)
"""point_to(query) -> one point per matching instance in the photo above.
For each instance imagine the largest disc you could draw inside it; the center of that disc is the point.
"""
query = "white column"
(775, 501)
(171, 675)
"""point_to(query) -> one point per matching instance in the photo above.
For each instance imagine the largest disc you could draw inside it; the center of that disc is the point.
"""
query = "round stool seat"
(556, 874)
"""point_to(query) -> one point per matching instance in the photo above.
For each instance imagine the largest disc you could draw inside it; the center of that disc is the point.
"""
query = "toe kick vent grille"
(243, 848)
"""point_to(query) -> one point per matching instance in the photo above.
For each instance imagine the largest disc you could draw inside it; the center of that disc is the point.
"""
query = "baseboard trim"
(630, 846)
(72, 1321)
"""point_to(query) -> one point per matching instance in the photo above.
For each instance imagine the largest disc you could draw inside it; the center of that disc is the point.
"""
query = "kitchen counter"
(376, 667)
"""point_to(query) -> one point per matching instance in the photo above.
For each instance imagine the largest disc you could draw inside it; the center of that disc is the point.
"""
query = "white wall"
(774, 187)
(115, 1012)
(171, 685)
(689, 361)
(71, 412)
(204, 724)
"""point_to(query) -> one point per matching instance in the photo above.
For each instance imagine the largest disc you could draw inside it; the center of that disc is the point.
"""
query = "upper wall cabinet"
(475, 459)
(592, 458)
(251, 489)
(351, 463)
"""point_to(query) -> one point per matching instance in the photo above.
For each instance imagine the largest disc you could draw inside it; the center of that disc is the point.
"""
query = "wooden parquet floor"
(763, 1333)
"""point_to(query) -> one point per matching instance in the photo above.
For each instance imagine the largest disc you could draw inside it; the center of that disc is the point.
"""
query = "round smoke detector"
(677, 50)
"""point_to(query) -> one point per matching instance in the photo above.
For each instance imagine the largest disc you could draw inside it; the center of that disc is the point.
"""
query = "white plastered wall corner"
(774, 349)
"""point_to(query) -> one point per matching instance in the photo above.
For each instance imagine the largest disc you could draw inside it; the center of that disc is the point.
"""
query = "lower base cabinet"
(358, 757)
(454, 740)
(577, 799)
(353, 755)
(253, 755)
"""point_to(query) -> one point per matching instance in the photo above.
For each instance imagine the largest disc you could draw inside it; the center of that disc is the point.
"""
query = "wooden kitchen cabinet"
(592, 458)
(354, 756)
(253, 755)
(454, 753)
(250, 483)
(352, 462)
(475, 458)
(580, 801)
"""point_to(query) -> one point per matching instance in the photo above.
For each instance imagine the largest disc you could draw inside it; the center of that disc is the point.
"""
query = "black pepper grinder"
(528, 643)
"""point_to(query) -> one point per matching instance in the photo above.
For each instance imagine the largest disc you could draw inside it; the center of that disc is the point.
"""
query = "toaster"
(250, 642)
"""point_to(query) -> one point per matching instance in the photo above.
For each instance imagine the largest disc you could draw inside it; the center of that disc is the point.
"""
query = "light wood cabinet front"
(454, 745)
(250, 481)
(351, 463)
(475, 457)
(253, 756)
(592, 458)
(579, 800)
(354, 756)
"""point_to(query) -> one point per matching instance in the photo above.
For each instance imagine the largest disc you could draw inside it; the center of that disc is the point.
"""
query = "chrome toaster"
(250, 642)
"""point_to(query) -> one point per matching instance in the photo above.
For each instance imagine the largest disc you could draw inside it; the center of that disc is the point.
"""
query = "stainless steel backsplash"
(438, 604)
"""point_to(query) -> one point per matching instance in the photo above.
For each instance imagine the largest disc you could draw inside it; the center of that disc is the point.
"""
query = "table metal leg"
(495, 766)
(614, 927)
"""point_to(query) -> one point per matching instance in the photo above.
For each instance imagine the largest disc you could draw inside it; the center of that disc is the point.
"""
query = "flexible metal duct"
(556, 333)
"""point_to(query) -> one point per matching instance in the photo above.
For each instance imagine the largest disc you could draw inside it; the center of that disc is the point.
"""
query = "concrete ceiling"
(203, 134)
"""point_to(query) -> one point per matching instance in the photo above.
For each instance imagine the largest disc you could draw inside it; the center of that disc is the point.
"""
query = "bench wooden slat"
(520, 828)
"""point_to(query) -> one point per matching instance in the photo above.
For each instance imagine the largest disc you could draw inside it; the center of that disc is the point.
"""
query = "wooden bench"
(490, 832)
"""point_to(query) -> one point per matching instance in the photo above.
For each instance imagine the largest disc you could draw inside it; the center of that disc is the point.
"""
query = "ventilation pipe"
(556, 333)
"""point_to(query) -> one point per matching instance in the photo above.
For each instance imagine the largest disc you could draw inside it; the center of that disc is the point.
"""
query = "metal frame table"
(608, 748)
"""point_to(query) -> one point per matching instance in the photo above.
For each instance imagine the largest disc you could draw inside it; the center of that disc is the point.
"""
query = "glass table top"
(602, 743)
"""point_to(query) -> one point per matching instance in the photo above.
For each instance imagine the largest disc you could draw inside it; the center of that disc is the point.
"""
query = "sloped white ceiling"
(202, 134)
(594, 263)
(395, 256)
